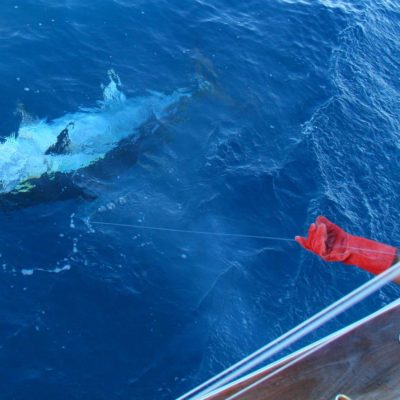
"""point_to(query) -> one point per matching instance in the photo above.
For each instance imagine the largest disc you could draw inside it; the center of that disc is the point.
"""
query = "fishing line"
(370, 250)
(237, 235)
(164, 229)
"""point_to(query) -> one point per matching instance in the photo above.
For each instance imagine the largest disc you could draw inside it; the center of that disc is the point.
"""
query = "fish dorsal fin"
(63, 143)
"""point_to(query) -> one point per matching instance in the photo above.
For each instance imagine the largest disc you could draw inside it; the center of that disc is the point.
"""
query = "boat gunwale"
(280, 364)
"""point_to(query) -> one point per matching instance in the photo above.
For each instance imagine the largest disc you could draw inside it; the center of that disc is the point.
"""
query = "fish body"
(77, 140)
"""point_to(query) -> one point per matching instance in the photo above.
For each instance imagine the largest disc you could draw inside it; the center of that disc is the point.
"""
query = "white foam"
(27, 271)
(57, 270)
(96, 131)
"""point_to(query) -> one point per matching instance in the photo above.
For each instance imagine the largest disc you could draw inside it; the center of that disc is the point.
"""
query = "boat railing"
(240, 375)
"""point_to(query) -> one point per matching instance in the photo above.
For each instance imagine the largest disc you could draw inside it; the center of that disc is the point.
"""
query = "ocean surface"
(245, 117)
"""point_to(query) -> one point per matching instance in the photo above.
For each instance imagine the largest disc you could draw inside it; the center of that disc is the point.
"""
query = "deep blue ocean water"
(293, 110)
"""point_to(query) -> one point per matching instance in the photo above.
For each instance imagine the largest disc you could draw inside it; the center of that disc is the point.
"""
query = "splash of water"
(93, 133)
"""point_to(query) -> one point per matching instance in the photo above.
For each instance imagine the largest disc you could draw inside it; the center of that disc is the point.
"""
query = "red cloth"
(332, 243)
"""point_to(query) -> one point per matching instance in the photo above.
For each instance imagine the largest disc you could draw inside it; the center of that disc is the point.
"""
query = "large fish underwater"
(42, 149)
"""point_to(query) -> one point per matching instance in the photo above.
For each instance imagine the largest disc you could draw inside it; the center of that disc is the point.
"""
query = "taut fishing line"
(209, 233)
(164, 229)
